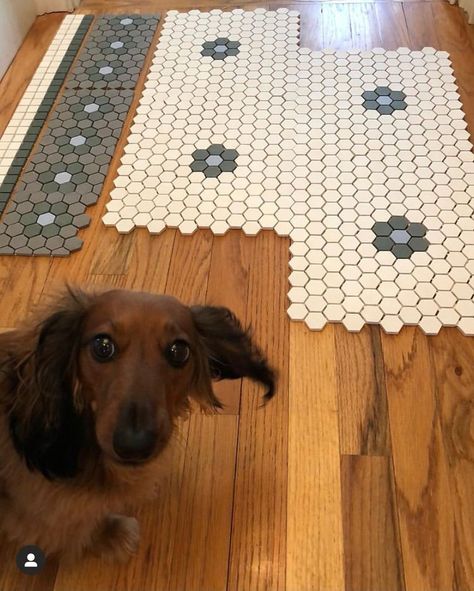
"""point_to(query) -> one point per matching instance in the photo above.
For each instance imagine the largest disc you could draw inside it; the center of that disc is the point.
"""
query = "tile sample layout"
(67, 168)
(362, 158)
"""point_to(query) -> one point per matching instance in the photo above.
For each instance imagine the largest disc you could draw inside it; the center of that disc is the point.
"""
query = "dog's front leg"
(117, 538)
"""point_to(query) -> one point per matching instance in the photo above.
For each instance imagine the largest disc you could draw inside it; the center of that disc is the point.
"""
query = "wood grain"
(202, 538)
(260, 499)
(452, 358)
(150, 261)
(363, 418)
(392, 26)
(371, 539)
(423, 496)
(228, 286)
(336, 23)
(258, 543)
(450, 28)
(315, 549)
(364, 26)
(457, 37)
(26, 281)
(311, 33)
(420, 25)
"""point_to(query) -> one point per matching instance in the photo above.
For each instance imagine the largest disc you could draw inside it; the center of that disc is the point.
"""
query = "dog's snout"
(136, 434)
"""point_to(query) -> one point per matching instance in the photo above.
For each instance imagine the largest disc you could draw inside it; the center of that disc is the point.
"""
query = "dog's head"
(110, 373)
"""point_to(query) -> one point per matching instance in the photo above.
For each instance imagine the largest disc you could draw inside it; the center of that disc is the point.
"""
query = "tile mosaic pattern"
(25, 125)
(113, 56)
(214, 160)
(313, 163)
(384, 100)
(68, 168)
(220, 48)
(400, 237)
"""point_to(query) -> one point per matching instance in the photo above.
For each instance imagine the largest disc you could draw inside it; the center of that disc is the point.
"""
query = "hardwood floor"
(360, 474)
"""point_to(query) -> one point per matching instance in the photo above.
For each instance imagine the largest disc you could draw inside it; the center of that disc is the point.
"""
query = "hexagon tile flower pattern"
(214, 160)
(400, 237)
(361, 157)
(384, 100)
(220, 48)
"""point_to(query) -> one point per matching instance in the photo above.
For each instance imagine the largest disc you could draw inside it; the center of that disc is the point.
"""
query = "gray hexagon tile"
(66, 172)
(362, 158)
(114, 54)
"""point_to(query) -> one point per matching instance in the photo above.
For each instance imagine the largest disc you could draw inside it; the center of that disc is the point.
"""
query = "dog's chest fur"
(55, 514)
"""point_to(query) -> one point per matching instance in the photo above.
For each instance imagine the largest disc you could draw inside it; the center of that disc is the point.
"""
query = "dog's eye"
(103, 347)
(178, 353)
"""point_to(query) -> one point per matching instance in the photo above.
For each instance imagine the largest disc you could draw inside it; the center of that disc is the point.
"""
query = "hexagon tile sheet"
(362, 158)
(69, 164)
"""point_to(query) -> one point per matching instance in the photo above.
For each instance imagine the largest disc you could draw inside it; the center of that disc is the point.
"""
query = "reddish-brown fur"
(62, 485)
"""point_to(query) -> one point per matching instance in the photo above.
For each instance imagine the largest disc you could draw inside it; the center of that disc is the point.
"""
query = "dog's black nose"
(135, 436)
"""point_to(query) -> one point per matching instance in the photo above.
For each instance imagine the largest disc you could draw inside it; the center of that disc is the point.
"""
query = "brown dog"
(89, 398)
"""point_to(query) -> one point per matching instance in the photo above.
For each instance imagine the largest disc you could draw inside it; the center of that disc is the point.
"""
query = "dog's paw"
(120, 538)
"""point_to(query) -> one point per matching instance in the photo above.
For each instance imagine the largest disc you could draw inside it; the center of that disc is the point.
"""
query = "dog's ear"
(47, 418)
(228, 350)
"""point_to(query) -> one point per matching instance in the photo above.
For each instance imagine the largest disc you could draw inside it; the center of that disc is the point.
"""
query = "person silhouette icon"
(30, 561)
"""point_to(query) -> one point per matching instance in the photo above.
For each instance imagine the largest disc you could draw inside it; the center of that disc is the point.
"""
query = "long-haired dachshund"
(89, 398)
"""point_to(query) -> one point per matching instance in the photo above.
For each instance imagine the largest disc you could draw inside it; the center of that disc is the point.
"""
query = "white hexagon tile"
(362, 158)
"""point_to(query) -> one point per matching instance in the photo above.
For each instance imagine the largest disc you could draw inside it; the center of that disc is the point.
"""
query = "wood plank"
(423, 494)
(228, 286)
(149, 261)
(364, 26)
(453, 33)
(420, 25)
(363, 418)
(450, 25)
(202, 540)
(336, 27)
(311, 25)
(112, 255)
(372, 557)
(213, 444)
(188, 274)
(392, 25)
(24, 287)
(258, 543)
(452, 355)
(315, 548)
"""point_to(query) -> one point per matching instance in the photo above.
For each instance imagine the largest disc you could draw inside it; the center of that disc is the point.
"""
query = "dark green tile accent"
(398, 222)
(383, 243)
(418, 244)
(402, 251)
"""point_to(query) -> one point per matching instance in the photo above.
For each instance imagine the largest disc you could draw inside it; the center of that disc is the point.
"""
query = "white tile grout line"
(378, 201)
(34, 95)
